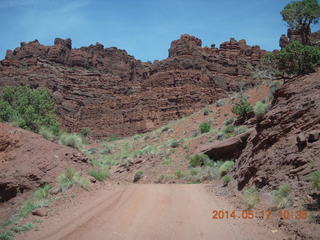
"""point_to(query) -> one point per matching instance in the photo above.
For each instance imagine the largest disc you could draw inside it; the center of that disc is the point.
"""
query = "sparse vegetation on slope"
(251, 196)
(282, 196)
(71, 177)
(242, 108)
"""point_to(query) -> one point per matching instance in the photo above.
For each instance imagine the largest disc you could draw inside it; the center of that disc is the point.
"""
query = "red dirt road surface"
(150, 211)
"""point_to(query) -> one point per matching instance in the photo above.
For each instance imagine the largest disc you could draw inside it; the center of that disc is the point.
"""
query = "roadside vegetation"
(16, 224)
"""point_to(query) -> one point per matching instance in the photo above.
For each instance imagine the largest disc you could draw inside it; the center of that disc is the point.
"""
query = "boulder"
(230, 148)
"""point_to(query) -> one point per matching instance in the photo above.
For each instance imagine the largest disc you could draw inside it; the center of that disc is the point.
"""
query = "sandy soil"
(150, 211)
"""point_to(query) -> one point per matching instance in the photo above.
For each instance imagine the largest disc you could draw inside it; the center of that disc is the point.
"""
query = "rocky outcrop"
(228, 149)
(295, 35)
(112, 93)
(286, 147)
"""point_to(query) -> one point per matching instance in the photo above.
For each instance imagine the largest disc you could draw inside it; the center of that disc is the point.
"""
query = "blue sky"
(145, 28)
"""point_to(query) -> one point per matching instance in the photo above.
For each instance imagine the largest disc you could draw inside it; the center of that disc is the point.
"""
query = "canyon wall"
(112, 93)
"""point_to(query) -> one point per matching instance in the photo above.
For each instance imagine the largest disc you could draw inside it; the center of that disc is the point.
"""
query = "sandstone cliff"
(112, 93)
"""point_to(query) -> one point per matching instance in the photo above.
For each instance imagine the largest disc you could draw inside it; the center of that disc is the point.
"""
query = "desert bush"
(137, 176)
(42, 192)
(71, 177)
(315, 180)
(164, 129)
(166, 162)
(27, 108)
(179, 174)
(71, 140)
(274, 86)
(198, 160)
(242, 108)
(85, 132)
(206, 173)
(204, 127)
(281, 196)
(225, 167)
(226, 179)
(48, 134)
(162, 178)
(106, 149)
(228, 121)
(260, 109)
(219, 103)
(174, 143)
(240, 130)
(99, 174)
(6, 235)
(193, 171)
(295, 58)
(39, 199)
(229, 129)
(22, 228)
(262, 73)
(112, 139)
(251, 196)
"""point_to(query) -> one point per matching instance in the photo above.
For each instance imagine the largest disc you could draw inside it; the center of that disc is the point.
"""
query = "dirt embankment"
(28, 161)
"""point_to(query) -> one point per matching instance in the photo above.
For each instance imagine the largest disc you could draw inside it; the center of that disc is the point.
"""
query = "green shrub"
(229, 129)
(206, 173)
(274, 86)
(240, 130)
(42, 192)
(27, 108)
(69, 178)
(193, 171)
(92, 150)
(198, 160)
(226, 179)
(260, 109)
(112, 139)
(219, 102)
(228, 121)
(225, 167)
(71, 140)
(295, 58)
(179, 174)
(137, 176)
(251, 196)
(48, 134)
(242, 109)
(22, 228)
(315, 180)
(106, 149)
(281, 196)
(99, 174)
(174, 143)
(6, 235)
(85, 132)
(166, 162)
(162, 178)
(204, 127)
(206, 112)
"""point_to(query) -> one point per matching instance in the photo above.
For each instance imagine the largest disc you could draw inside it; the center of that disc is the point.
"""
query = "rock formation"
(112, 93)
(294, 35)
(286, 146)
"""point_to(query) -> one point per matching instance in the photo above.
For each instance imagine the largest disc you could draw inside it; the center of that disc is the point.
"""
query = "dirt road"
(151, 211)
